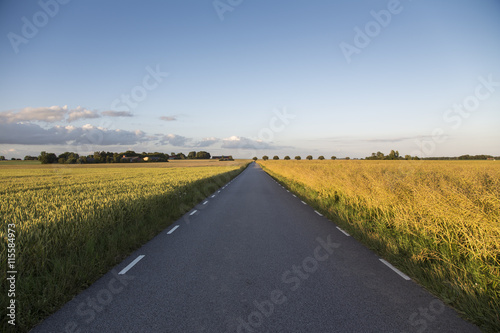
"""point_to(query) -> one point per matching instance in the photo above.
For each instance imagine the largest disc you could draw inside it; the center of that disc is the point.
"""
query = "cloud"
(206, 142)
(354, 140)
(236, 142)
(56, 114)
(33, 134)
(169, 118)
(81, 113)
(112, 113)
(175, 140)
(47, 114)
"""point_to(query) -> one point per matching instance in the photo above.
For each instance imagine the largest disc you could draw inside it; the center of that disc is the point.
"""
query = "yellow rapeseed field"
(439, 221)
(72, 223)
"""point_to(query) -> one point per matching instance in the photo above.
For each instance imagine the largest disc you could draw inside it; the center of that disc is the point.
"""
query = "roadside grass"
(73, 226)
(436, 221)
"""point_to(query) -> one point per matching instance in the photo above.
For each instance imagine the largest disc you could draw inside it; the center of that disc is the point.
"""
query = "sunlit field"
(438, 221)
(72, 223)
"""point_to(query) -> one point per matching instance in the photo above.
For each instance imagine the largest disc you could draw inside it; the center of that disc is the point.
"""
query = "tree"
(117, 158)
(255, 158)
(47, 158)
(203, 155)
(333, 157)
(287, 157)
(321, 158)
(191, 155)
(265, 157)
(393, 155)
(347, 158)
(2, 158)
(130, 153)
(407, 157)
(276, 157)
(298, 158)
(309, 157)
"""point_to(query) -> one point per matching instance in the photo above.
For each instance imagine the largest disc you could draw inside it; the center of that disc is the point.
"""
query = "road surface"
(252, 257)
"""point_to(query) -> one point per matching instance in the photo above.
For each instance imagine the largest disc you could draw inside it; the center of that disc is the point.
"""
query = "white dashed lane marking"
(403, 275)
(129, 266)
(342, 231)
(172, 230)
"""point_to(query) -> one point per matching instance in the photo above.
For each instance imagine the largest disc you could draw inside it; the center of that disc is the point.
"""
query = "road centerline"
(132, 264)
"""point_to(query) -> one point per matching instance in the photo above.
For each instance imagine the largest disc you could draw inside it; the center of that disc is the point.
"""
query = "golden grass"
(437, 220)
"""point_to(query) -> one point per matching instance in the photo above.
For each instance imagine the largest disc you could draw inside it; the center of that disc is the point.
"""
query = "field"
(17, 163)
(438, 221)
(72, 223)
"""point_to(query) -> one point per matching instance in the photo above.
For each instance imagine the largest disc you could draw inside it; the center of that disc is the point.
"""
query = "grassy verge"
(73, 227)
(438, 227)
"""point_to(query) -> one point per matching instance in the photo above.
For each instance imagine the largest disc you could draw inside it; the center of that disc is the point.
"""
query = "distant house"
(490, 158)
(222, 157)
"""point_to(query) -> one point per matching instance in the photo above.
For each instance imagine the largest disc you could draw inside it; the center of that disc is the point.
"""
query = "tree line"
(393, 155)
(110, 157)
(298, 158)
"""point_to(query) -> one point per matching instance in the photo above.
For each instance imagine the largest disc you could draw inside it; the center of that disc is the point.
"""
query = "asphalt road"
(254, 258)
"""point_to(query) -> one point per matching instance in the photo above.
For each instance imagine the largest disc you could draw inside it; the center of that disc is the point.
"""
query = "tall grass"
(73, 224)
(437, 221)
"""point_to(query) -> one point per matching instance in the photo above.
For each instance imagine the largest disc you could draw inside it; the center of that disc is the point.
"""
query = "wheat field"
(438, 221)
(71, 224)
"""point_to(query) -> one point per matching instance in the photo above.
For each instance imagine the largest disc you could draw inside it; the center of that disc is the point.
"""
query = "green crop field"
(438, 221)
(70, 224)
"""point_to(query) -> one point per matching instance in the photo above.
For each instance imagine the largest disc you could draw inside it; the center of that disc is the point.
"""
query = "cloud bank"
(56, 113)
(33, 134)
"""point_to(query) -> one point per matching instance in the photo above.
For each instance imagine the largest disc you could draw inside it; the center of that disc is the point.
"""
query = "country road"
(252, 257)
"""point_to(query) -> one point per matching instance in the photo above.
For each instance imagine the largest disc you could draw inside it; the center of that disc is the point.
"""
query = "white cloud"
(33, 134)
(169, 118)
(81, 113)
(111, 113)
(56, 114)
(206, 142)
(175, 140)
(47, 114)
(237, 142)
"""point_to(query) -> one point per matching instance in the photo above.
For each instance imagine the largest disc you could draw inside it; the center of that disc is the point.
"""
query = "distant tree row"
(101, 157)
(465, 157)
(394, 155)
(298, 158)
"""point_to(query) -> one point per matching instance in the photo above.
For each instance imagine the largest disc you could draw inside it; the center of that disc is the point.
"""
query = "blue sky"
(250, 78)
